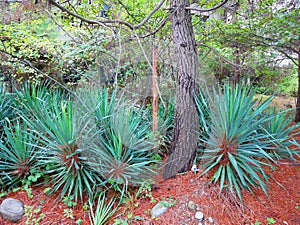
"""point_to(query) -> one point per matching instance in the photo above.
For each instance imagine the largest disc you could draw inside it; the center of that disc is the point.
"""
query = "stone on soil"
(11, 209)
(199, 216)
(192, 206)
(159, 209)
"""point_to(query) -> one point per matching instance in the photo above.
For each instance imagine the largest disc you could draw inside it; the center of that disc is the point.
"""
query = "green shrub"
(18, 154)
(123, 154)
(65, 135)
(282, 130)
(6, 108)
(238, 147)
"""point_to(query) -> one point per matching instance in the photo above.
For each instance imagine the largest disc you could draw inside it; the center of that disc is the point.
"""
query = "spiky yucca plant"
(123, 154)
(6, 108)
(65, 135)
(18, 154)
(284, 131)
(236, 147)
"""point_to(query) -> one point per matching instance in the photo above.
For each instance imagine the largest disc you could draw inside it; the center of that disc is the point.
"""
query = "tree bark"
(297, 117)
(185, 136)
(154, 91)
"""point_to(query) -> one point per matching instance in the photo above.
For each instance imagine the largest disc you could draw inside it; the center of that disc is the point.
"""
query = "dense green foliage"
(85, 137)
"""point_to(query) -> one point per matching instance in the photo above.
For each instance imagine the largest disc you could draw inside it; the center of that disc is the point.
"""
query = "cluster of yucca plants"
(80, 142)
(242, 137)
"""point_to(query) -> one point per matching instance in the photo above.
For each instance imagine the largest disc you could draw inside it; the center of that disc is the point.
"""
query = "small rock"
(199, 216)
(210, 220)
(12, 209)
(192, 206)
(159, 209)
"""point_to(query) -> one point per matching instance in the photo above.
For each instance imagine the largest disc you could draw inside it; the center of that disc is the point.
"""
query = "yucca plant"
(123, 155)
(283, 131)
(103, 211)
(19, 154)
(65, 135)
(6, 108)
(236, 147)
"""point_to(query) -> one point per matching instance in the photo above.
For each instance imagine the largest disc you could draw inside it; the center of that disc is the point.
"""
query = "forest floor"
(281, 207)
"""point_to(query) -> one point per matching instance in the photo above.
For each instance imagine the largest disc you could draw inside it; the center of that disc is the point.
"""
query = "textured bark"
(297, 117)
(154, 91)
(185, 136)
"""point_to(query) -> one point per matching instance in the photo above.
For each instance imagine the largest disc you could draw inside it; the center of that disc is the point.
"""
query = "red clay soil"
(283, 204)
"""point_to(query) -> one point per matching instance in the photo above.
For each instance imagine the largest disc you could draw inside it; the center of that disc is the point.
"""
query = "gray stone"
(199, 216)
(12, 209)
(192, 206)
(210, 220)
(159, 209)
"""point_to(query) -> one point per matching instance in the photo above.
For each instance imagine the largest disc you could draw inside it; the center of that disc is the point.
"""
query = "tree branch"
(289, 57)
(145, 20)
(209, 9)
(219, 55)
(104, 22)
(160, 26)
(29, 64)
(101, 23)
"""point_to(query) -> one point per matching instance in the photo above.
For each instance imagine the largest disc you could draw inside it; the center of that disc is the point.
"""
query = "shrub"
(65, 135)
(18, 154)
(280, 127)
(123, 154)
(6, 108)
(237, 147)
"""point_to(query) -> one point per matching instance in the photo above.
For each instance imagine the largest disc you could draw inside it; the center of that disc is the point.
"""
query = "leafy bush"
(18, 154)
(237, 147)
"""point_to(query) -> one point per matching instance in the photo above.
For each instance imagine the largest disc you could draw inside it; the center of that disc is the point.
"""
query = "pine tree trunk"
(297, 117)
(184, 144)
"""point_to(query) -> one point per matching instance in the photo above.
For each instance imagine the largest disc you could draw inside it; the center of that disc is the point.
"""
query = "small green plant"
(33, 215)
(86, 206)
(3, 193)
(47, 190)
(26, 187)
(104, 209)
(79, 221)
(129, 220)
(256, 223)
(68, 213)
(69, 201)
(270, 220)
(145, 191)
(169, 202)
